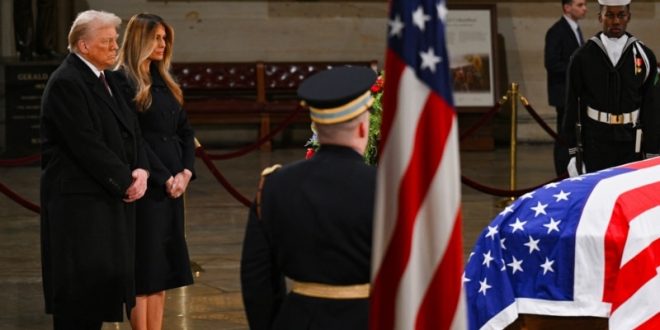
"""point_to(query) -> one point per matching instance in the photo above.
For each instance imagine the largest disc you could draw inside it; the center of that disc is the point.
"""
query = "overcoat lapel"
(569, 30)
(99, 90)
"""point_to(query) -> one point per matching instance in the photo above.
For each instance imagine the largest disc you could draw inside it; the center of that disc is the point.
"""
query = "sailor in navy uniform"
(610, 88)
(311, 221)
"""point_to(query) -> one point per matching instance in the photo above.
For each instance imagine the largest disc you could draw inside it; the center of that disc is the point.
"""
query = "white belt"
(608, 118)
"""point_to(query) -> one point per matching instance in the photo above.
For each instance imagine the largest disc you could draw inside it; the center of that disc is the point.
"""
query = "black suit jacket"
(90, 145)
(560, 44)
(315, 226)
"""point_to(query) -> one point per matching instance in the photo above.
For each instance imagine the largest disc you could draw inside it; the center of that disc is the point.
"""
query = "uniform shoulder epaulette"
(270, 170)
(267, 171)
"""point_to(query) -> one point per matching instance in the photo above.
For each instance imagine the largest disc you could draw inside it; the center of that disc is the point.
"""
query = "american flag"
(585, 246)
(417, 253)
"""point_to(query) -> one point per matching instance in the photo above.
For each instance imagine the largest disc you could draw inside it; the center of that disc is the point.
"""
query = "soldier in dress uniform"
(311, 221)
(609, 96)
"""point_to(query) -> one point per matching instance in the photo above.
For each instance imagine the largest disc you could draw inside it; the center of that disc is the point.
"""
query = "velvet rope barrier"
(18, 199)
(540, 121)
(201, 153)
(545, 127)
(488, 116)
(29, 160)
(502, 192)
(284, 124)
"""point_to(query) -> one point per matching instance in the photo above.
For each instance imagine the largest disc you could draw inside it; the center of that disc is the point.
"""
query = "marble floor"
(215, 223)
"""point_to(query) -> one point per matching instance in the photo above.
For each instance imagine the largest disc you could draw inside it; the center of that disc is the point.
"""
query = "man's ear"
(82, 46)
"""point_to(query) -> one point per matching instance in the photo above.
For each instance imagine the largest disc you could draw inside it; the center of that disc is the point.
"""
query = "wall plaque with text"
(25, 83)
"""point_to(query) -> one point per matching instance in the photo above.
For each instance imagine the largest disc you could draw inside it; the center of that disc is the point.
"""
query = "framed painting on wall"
(471, 35)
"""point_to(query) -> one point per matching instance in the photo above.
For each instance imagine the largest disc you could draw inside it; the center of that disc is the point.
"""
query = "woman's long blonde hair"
(139, 42)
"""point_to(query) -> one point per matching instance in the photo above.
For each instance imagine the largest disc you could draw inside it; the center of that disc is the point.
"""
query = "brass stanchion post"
(512, 96)
(513, 153)
(195, 267)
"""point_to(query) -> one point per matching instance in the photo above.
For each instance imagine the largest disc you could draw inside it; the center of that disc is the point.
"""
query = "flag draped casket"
(585, 246)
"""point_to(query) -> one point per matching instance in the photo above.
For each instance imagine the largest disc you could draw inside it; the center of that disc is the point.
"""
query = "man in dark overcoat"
(610, 96)
(311, 221)
(561, 40)
(93, 169)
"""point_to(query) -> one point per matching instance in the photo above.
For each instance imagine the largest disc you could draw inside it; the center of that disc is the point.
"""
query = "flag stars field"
(507, 209)
(527, 195)
(420, 18)
(492, 231)
(396, 27)
(552, 225)
(429, 60)
(533, 244)
(547, 266)
(516, 265)
(483, 286)
(518, 225)
(561, 196)
(487, 259)
(551, 185)
(539, 209)
(563, 254)
(442, 11)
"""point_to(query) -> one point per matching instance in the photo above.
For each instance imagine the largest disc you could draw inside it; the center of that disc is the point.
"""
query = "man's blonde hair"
(88, 21)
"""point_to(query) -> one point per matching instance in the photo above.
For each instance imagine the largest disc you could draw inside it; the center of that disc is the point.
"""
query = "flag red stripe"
(635, 273)
(442, 297)
(628, 206)
(431, 135)
(644, 164)
(650, 324)
(394, 68)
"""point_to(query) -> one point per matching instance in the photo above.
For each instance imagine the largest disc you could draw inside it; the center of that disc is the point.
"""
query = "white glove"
(572, 168)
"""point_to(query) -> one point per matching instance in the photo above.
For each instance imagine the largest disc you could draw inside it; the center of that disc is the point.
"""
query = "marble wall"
(350, 30)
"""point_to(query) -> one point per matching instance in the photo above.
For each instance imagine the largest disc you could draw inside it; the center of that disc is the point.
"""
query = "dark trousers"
(560, 150)
(60, 323)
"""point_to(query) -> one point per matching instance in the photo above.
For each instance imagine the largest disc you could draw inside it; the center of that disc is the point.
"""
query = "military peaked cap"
(613, 2)
(338, 94)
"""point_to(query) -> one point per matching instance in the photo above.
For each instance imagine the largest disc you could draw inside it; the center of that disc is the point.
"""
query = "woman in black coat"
(162, 260)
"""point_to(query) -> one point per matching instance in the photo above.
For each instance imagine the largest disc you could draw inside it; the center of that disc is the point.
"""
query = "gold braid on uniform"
(262, 180)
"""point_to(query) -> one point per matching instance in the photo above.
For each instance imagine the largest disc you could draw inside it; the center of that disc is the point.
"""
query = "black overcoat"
(315, 226)
(162, 260)
(90, 145)
(560, 44)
